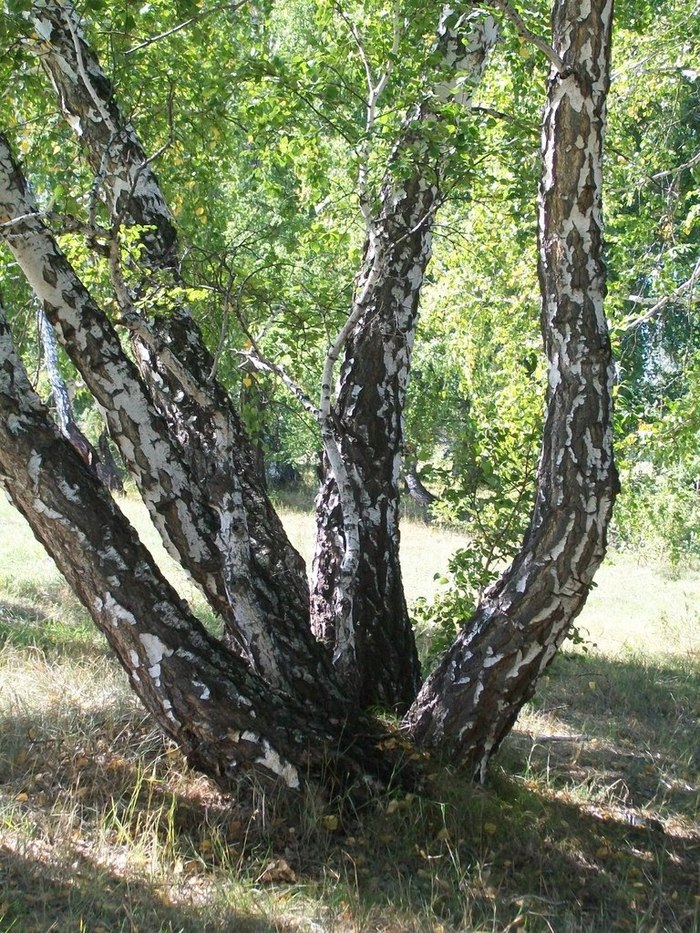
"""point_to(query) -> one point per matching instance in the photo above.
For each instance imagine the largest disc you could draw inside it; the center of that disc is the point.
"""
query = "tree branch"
(661, 303)
(233, 7)
(512, 14)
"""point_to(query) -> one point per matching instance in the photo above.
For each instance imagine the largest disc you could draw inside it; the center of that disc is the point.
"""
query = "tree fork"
(226, 719)
(360, 610)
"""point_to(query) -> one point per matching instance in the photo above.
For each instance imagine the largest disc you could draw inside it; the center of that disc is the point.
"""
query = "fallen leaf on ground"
(277, 871)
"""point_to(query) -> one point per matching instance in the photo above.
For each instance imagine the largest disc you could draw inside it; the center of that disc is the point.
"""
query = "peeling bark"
(178, 504)
(358, 604)
(123, 174)
(273, 701)
(472, 699)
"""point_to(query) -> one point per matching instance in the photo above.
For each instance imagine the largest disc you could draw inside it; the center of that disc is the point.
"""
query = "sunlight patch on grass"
(425, 549)
(637, 607)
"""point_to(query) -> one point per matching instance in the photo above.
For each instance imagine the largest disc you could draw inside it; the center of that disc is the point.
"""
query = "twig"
(540, 43)
(374, 91)
(234, 7)
(259, 361)
(663, 302)
(680, 168)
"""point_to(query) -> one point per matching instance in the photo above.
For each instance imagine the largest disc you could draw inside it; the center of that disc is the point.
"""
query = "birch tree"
(285, 693)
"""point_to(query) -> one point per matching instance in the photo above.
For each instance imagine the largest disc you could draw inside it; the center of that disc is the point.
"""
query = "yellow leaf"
(591, 684)
(247, 381)
(490, 828)
(22, 797)
(331, 822)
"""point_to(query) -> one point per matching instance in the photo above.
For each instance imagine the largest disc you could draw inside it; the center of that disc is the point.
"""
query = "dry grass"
(589, 823)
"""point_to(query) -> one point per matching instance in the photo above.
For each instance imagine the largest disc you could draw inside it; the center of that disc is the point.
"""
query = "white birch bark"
(358, 606)
(263, 577)
(226, 719)
(470, 702)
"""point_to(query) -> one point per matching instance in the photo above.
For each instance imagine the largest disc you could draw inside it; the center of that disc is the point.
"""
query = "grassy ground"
(589, 822)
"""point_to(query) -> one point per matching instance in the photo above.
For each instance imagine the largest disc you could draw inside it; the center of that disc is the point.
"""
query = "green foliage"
(658, 513)
(653, 205)
(259, 116)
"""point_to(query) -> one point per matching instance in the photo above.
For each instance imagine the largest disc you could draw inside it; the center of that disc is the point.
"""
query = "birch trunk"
(178, 504)
(263, 576)
(274, 705)
(472, 699)
(358, 605)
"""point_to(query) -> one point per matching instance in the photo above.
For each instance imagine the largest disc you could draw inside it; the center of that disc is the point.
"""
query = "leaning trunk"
(472, 699)
(263, 595)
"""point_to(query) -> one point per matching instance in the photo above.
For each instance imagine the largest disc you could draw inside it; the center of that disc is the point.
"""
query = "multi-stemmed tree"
(287, 691)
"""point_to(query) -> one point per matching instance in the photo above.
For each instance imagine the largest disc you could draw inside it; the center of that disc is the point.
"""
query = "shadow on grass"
(510, 856)
(104, 828)
(587, 833)
(78, 895)
(621, 731)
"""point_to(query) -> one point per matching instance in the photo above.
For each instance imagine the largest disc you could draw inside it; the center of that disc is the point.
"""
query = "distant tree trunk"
(472, 699)
(414, 484)
(61, 397)
(100, 461)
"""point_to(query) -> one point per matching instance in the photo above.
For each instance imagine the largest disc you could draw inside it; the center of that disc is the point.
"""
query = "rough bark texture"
(264, 577)
(179, 505)
(224, 716)
(472, 699)
(358, 604)
(270, 700)
(264, 600)
(107, 469)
